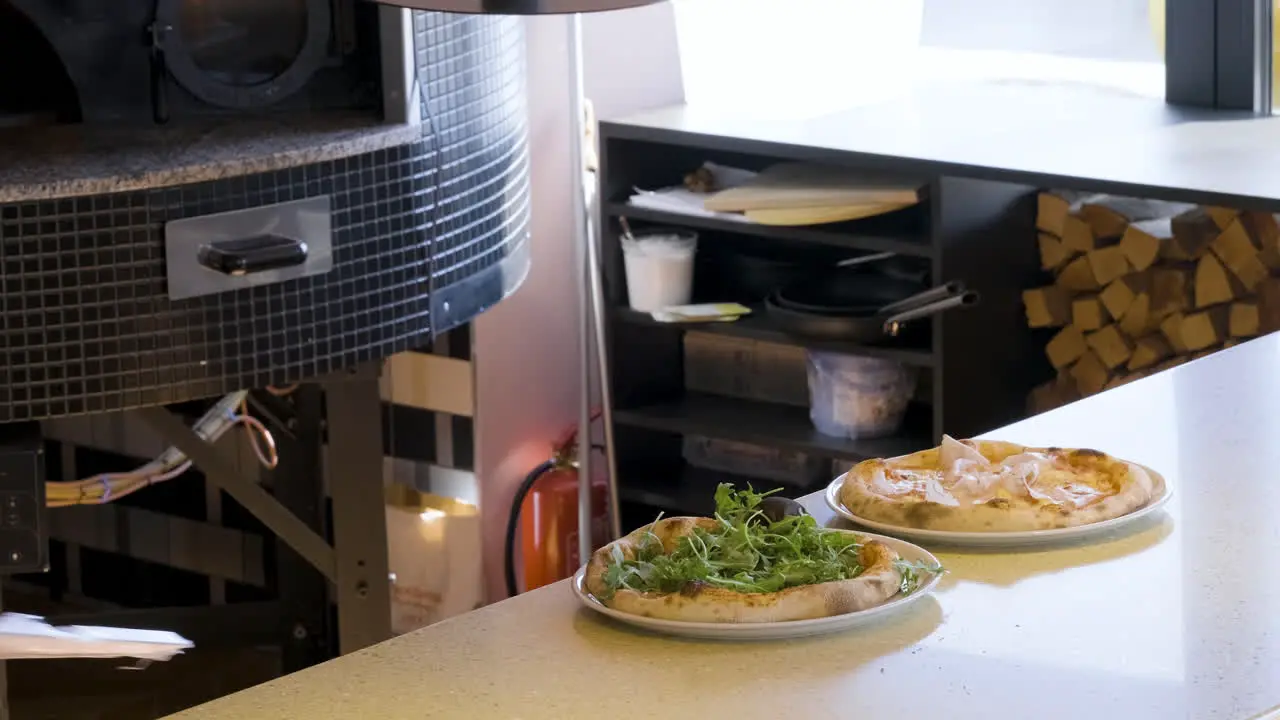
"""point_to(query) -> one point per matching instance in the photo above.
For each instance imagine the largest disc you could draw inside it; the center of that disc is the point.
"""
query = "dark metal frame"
(345, 546)
(1218, 54)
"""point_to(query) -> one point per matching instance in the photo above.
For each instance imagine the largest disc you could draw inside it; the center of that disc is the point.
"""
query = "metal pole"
(602, 363)
(580, 239)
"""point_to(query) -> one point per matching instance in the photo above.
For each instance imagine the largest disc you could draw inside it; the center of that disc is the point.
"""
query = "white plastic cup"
(659, 267)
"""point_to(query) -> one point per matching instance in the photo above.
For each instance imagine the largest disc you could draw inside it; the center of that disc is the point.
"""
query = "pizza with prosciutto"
(992, 486)
(743, 566)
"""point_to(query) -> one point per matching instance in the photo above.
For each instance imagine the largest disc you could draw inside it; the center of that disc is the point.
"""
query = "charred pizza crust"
(1123, 487)
(878, 582)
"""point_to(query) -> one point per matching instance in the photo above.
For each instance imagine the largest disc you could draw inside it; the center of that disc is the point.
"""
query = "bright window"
(805, 57)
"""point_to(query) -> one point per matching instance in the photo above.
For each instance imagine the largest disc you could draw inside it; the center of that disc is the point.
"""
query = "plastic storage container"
(659, 268)
(854, 396)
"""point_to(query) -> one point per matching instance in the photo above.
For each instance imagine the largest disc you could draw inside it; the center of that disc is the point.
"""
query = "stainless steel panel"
(305, 220)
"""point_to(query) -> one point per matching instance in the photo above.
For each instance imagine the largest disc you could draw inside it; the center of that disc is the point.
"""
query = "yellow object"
(820, 215)
(789, 185)
(1155, 13)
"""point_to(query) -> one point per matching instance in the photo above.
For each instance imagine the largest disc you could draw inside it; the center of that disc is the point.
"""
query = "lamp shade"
(518, 7)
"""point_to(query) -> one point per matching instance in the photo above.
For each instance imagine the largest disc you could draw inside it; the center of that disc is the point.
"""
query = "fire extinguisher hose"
(513, 523)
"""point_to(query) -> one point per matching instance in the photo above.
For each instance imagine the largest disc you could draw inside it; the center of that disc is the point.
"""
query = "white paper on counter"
(25, 637)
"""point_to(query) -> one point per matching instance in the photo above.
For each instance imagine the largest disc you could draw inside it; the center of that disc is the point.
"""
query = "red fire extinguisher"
(547, 502)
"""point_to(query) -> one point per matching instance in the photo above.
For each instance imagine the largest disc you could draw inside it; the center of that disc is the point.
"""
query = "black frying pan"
(868, 327)
(847, 290)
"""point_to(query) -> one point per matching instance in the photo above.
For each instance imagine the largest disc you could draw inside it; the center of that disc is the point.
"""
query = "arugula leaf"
(746, 552)
(911, 573)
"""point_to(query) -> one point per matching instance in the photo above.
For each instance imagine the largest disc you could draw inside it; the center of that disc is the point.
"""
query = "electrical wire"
(227, 413)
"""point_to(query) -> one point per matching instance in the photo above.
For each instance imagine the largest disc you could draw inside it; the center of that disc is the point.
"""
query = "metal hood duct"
(518, 7)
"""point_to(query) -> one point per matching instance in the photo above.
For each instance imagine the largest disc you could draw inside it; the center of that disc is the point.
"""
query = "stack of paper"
(683, 201)
(24, 637)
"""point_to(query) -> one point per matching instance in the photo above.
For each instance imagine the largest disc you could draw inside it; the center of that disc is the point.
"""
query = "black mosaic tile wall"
(85, 321)
(473, 66)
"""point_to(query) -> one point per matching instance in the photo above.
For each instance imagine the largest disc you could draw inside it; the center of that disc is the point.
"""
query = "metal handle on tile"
(260, 253)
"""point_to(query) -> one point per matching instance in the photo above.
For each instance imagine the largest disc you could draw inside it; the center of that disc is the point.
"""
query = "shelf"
(771, 425)
(688, 489)
(758, 326)
(856, 234)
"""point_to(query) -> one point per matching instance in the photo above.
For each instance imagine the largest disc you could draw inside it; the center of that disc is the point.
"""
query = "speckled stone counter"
(1178, 618)
(39, 163)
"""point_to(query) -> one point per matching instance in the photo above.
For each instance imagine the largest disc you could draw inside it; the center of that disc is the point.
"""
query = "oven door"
(244, 53)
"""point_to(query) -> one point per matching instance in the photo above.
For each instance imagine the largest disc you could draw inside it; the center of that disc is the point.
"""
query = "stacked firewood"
(1140, 286)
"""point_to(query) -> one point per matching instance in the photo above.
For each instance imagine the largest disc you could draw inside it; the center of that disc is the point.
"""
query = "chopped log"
(1192, 232)
(1054, 394)
(1077, 236)
(1047, 306)
(1106, 222)
(1204, 353)
(1052, 209)
(1270, 256)
(1090, 374)
(1237, 252)
(1078, 275)
(1171, 363)
(1119, 295)
(1125, 379)
(1269, 306)
(1170, 290)
(1142, 241)
(1111, 347)
(1171, 328)
(1263, 228)
(1149, 350)
(1264, 231)
(1244, 320)
(1205, 329)
(1108, 264)
(1052, 254)
(1066, 347)
(1213, 285)
(1222, 216)
(1138, 320)
(1087, 313)
(1109, 215)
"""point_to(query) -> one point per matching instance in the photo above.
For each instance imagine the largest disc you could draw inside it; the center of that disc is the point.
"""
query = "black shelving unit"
(977, 364)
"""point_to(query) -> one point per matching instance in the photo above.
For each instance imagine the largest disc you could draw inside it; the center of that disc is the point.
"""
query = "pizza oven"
(200, 196)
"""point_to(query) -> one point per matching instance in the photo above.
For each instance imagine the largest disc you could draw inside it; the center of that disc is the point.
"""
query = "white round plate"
(1005, 539)
(775, 630)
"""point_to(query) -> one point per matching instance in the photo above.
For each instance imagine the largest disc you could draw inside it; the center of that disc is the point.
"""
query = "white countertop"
(1035, 132)
(1177, 619)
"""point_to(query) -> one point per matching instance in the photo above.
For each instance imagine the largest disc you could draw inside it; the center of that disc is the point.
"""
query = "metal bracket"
(257, 501)
(354, 460)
